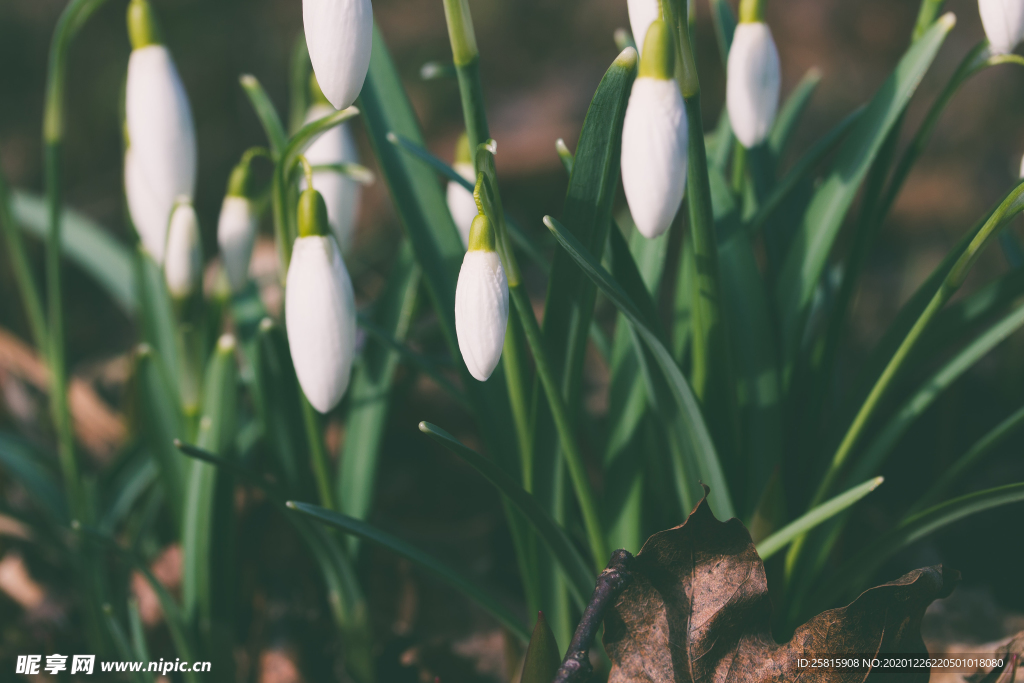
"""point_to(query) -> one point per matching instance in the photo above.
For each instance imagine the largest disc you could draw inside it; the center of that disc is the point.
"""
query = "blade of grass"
(120, 639)
(791, 110)
(698, 443)
(550, 531)
(784, 536)
(808, 254)
(162, 421)
(849, 578)
(138, 636)
(410, 552)
(266, 113)
(25, 466)
(920, 400)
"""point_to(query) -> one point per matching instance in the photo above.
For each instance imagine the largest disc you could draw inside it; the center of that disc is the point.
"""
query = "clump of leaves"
(696, 608)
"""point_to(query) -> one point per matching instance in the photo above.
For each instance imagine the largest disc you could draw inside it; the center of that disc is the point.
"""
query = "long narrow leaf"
(553, 535)
(439, 568)
(781, 538)
(22, 463)
(266, 113)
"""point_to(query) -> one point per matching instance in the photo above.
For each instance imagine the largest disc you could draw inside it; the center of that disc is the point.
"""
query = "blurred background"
(541, 61)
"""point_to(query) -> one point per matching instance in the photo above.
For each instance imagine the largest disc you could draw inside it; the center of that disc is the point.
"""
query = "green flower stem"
(570, 447)
(319, 454)
(30, 298)
(71, 19)
(712, 361)
(467, 69)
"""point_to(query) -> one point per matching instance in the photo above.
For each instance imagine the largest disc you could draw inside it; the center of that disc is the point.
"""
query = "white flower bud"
(1004, 24)
(654, 139)
(161, 163)
(641, 14)
(339, 34)
(236, 232)
(335, 146)
(481, 303)
(320, 317)
(752, 88)
(461, 202)
(183, 267)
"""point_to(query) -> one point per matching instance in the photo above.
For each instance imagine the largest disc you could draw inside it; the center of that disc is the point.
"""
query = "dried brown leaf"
(697, 610)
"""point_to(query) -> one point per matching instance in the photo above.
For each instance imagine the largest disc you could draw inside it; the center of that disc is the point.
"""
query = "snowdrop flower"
(1004, 24)
(641, 14)
(183, 266)
(320, 308)
(334, 146)
(481, 302)
(160, 164)
(752, 88)
(236, 228)
(654, 138)
(460, 200)
(339, 34)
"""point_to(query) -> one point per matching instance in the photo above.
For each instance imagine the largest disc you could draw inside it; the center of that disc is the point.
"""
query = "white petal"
(461, 202)
(183, 267)
(160, 130)
(320, 317)
(654, 139)
(481, 311)
(236, 231)
(341, 194)
(339, 34)
(641, 14)
(1004, 23)
(150, 211)
(752, 88)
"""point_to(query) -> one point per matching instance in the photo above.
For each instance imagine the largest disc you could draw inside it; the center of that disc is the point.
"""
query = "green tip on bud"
(659, 58)
(751, 11)
(463, 154)
(240, 183)
(316, 95)
(313, 215)
(142, 27)
(481, 234)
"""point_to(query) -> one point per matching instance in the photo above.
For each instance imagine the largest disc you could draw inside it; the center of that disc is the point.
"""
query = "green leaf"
(747, 309)
(830, 508)
(790, 112)
(121, 645)
(859, 570)
(298, 84)
(439, 568)
(162, 422)
(159, 324)
(266, 113)
(542, 656)
(725, 26)
(569, 305)
(216, 430)
(24, 464)
(810, 249)
(920, 400)
(550, 532)
(370, 393)
(696, 441)
(86, 244)
(140, 472)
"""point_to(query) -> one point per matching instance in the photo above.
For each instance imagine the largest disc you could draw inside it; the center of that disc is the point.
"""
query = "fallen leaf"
(697, 610)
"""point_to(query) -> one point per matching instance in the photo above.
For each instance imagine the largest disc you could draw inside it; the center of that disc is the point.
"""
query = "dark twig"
(576, 667)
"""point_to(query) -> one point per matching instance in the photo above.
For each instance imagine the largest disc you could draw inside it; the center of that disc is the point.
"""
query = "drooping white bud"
(320, 317)
(335, 146)
(752, 88)
(481, 303)
(339, 34)
(320, 308)
(161, 163)
(183, 265)
(236, 232)
(1004, 24)
(641, 14)
(461, 202)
